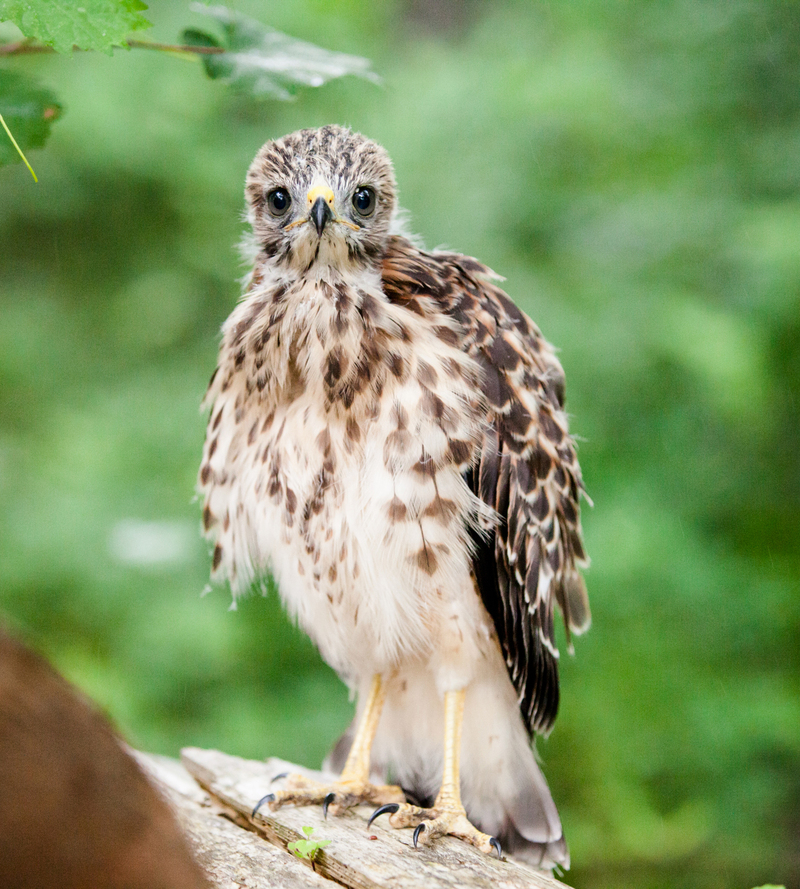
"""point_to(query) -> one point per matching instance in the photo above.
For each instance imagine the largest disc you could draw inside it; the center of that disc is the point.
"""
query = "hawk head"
(321, 199)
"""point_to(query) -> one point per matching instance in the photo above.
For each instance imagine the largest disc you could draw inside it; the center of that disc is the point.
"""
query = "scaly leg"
(447, 817)
(353, 786)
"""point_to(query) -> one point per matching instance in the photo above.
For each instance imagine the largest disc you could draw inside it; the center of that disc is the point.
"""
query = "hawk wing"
(526, 470)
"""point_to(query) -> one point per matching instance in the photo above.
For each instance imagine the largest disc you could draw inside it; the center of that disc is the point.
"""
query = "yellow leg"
(447, 817)
(449, 796)
(356, 768)
(353, 786)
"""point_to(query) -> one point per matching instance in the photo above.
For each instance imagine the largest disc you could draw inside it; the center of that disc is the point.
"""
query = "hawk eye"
(364, 201)
(278, 200)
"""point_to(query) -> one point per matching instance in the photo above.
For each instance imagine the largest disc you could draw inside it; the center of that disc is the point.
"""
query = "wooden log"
(229, 845)
(232, 857)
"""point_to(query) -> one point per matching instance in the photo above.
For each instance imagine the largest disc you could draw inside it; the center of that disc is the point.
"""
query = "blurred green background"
(633, 169)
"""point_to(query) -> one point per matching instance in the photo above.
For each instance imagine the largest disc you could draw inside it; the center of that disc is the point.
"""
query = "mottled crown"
(340, 159)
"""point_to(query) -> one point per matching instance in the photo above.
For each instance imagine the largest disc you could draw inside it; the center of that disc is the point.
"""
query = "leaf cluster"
(247, 56)
(65, 26)
(263, 62)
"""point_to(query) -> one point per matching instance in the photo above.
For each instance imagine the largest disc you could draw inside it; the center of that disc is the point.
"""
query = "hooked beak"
(320, 203)
(321, 214)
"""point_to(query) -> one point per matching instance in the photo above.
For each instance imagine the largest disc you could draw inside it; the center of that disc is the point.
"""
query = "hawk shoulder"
(526, 468)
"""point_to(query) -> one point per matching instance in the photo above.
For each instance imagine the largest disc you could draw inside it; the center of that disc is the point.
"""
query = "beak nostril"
(321, 191)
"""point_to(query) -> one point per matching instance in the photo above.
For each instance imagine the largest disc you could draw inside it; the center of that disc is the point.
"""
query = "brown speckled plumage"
(387, 435)
(526, 468)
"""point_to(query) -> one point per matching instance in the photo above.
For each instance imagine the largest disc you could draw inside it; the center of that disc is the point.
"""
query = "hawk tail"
(531, 828)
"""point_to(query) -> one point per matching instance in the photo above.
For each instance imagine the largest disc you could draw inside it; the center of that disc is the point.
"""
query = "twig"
(25, 47)
(168, 47)
(22, 47)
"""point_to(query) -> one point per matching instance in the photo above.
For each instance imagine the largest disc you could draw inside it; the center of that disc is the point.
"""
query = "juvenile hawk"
(387, 436)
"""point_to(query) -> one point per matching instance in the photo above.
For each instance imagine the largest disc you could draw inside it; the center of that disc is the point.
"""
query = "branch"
(185, 48)
(26, 47)
(23, 47)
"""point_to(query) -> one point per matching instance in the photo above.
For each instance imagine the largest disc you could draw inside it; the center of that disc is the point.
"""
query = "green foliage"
(28, 109)
(265, 63)
(632, 169)
(309, 847)
(253, 58)
(64, 24)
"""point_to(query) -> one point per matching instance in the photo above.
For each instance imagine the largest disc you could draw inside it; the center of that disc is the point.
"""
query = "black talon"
(495, 844)
(389, 808)
(270, 797)
(278, 777)
(326, 802)
(417, 831)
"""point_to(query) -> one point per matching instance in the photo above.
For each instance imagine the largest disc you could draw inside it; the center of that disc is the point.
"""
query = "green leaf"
(85, 24)
(195, 37)
(307, 848)
(28, 110)
(267, 63)
(301, 848)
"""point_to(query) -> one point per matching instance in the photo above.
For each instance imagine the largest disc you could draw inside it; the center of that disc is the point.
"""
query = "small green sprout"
(307, 848)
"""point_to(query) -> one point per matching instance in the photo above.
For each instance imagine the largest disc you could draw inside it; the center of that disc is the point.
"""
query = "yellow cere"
(321, 191)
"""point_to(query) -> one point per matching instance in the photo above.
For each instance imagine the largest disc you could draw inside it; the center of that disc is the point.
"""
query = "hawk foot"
(336, 797)
(443, 820)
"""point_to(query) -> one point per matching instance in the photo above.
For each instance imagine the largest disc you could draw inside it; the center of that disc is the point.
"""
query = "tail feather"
(532, 829)
(545, 856)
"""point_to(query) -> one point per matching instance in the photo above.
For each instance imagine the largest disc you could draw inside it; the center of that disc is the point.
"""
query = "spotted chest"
(343, 472)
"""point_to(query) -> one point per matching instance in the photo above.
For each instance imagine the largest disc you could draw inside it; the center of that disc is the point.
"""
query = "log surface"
(213, 795)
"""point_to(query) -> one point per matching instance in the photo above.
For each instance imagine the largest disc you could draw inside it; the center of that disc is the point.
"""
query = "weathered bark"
(213, 795)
